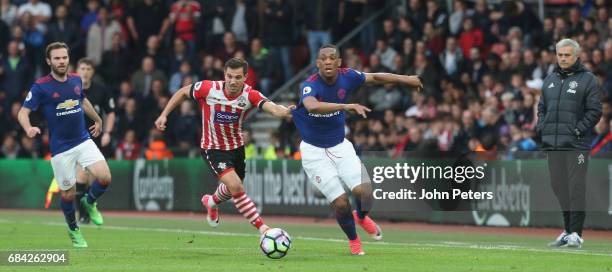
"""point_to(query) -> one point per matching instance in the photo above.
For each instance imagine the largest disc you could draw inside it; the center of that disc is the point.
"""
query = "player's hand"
(105, 139)
(420, 83)
(160, 123)
(357, 109)
(289, 108)
(32, 131)
(95, 129)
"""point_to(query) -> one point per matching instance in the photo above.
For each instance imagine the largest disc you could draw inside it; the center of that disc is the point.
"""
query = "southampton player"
(104, 104)
(60, 95)
(224, 104)
(328, 159)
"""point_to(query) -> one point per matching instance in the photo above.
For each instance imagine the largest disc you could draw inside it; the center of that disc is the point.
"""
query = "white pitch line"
(443, 244)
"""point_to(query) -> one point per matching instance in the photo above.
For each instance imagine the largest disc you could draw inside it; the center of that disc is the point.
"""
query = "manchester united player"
(224, 104)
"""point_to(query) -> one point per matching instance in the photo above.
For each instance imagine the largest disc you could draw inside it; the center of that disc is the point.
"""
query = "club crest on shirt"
(341, 93)
(77, 90)
(573, 85)
(306, 90)
(241, 102)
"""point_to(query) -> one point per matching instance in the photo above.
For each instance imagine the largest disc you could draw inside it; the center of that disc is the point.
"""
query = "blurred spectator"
(10, 148)
(129, 118)
(385, 53)
(417, 13)
(177, 78)
(39, 10)
(318, 16)
(460, 12)
(470, 37)
(208, 71)
(115, 63)
(128, 148)
(143, 78)
(151, 101)
(184, 15)
(243, 20)
(100, 35)
(27, 150)
(263, 63)
(90, 16)
(390, 35)
(33, 39)
(62, 29)
(8, 12)
(157, 148)
(145, 19)
(250, 149)
(154, 50)
(385, 97)
(229, 47)
(436, 15)
(15, 74)
(185, 129)
(279, 13)
(451, 58)
(178, 55)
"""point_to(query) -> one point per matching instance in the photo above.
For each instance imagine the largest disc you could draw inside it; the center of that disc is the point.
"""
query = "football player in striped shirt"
(224, 105)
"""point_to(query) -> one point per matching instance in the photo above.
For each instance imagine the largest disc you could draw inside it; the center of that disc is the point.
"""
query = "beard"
(59, 70)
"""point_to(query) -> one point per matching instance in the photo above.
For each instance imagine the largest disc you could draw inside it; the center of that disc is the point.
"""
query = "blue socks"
(360, 213)
(97, 189)
(347, 223)
(68, 209)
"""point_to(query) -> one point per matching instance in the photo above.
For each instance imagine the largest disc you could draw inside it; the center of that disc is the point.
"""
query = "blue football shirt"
(60, 103)
(325, 130)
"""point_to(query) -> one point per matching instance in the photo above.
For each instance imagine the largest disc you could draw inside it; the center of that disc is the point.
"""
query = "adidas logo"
(552, 85)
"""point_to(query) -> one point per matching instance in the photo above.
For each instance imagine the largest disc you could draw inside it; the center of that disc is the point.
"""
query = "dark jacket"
(569, 108)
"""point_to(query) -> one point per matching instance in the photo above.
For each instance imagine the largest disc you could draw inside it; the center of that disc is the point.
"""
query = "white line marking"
(443, 244)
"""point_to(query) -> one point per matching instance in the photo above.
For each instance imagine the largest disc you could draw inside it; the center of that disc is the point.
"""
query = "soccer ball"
(275, 243)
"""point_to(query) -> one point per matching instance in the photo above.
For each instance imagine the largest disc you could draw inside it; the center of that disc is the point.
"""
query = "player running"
(224, 104)
(61, 98)
(328, 158)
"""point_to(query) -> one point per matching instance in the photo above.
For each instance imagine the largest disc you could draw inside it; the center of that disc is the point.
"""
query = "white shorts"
(330, 169)
(65, 164)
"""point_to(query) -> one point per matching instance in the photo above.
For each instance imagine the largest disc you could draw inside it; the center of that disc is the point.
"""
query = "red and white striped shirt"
(222, 116)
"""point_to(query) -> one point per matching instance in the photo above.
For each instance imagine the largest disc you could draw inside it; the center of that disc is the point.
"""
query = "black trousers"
(568, 170)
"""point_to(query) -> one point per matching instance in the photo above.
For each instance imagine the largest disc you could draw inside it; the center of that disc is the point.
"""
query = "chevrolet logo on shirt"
(68, 104)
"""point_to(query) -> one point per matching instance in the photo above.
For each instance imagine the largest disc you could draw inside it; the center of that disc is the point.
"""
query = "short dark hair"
(329, 45)
(86, 61)
(235, 63)
(55, 45)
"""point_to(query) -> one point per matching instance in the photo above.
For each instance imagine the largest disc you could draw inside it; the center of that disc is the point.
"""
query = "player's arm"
(312, 105)
(181, 95)
(276, 110)
(24, 120)
(384, 78)
(109, 125)
(93, 115)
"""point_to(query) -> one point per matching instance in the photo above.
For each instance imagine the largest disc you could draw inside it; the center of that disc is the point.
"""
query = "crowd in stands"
(482, 66)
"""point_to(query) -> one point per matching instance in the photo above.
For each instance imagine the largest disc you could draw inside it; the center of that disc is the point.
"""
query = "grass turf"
(175, 244)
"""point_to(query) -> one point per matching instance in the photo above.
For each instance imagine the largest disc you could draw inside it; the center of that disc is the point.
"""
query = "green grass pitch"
(188, 244)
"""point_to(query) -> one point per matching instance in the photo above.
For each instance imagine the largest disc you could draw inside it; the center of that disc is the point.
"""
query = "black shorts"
(223, 161)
